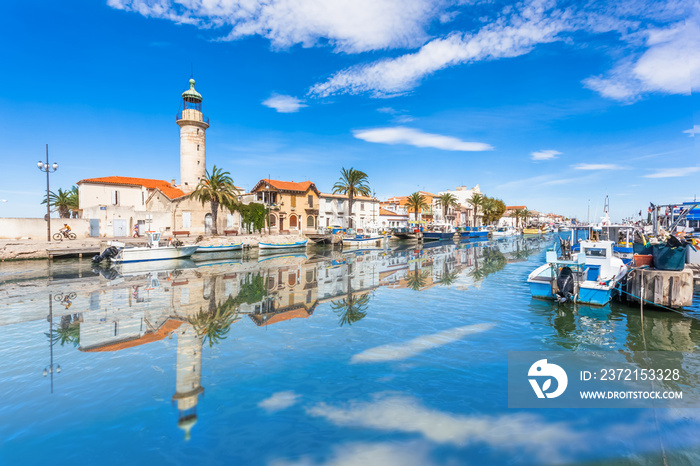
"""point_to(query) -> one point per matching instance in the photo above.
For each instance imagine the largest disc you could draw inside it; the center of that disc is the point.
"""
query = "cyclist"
(65, 230)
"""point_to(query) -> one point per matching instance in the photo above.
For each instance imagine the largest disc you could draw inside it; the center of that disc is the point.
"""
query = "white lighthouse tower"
(188, 377)
(193, 125)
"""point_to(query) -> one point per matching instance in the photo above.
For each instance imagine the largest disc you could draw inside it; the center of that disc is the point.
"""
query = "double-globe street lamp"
(45, 167)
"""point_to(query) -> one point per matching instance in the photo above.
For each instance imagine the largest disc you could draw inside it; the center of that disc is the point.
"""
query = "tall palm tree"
(476, 201)
(446, 200)
(218, 189)
(525, 214)
(518, 214)
(489, 207)
(353, 307)
(61, 200)
(74, 201)
(416, 202)
(351, 183)
(214, 323)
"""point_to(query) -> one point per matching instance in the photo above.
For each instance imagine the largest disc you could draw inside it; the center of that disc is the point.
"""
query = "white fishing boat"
(503, 232)
(590, 278)
(369, 236)
(220, 248)
(297, 244)
(153, 251)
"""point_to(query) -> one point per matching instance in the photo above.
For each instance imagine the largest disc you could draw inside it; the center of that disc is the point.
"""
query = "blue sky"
(542, 103)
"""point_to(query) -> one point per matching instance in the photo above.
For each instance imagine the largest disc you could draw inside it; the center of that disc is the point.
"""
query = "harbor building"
(334, 211)
(294, 206)
(117, 205)
(464, 215)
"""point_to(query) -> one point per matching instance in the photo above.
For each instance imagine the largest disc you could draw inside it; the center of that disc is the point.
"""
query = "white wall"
(35, 228)
(92, 195)
(160, 221)
(336, 212)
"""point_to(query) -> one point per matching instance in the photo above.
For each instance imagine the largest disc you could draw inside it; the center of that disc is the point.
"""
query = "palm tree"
(214, 323)
(351, 183)
(74, 201)
(62, 201)
(352, 308)
(218, 189)
(476, 201)
(525, 214)
(416, 281)
(489, 207)
(416, 202)
(446, 200)
(518, 214)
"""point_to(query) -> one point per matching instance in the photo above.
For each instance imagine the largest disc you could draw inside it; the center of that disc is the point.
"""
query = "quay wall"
(35, 228)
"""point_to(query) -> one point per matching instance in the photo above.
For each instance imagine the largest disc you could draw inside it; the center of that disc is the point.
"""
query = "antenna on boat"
(606, 209)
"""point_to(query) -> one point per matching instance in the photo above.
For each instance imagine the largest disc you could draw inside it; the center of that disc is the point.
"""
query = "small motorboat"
(220, 248)
(503, 232)
(474, 233)
(590, 278)
(297, 244)
(439, 232)
(153, 251)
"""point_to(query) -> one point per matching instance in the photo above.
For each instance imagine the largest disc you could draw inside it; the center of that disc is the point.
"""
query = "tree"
(525, 214)
(416, 202)
(218, 189)
(476, 201)
(351, 183)
(518, 214)
(62, 201)
(446, 200)
(353, 307)
(488, 207)
(74, 201)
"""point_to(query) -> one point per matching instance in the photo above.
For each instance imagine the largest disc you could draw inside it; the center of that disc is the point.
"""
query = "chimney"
(172, 182)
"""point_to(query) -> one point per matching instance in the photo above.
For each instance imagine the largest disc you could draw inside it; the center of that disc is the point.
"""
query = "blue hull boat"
(437, 236)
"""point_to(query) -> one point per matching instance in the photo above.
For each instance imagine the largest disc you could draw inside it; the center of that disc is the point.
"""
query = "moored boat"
(439, 232)
(297, 244)
(474, 233)
(152, 252)
(590, 278)
(220, 248)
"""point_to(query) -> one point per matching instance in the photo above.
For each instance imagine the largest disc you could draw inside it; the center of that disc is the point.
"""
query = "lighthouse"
(193, 126)
(188, 377)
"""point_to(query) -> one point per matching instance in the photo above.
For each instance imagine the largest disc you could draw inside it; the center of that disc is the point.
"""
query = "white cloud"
(407, 349)
(670, 65)
(508, 36)
(284, 103)
(279, 401)
(673, 172)
(414, 137)
(545, 154)
(371, 454)
(388, 110)
(348, 25)
(692, 131)
(597, 166)
(547, 441)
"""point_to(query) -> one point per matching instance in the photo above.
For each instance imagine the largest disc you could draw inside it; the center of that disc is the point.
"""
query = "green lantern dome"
(190, 95)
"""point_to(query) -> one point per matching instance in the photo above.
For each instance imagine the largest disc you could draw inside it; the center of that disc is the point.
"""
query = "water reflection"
(404, 311)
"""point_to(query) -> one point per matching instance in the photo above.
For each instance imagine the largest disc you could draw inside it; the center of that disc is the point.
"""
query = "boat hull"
(154, 254)
(298, 244)
(437, 236)
(223, 248)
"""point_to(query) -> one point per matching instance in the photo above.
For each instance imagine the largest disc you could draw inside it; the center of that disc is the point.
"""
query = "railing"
(202, 117)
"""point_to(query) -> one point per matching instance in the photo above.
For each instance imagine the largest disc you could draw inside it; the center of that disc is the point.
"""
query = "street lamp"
(45, 167)
(57, 367)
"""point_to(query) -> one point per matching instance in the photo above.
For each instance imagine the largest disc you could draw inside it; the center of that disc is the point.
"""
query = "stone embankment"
(11, 249)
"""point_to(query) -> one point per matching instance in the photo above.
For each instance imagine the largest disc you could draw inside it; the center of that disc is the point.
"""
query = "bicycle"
(63, 233)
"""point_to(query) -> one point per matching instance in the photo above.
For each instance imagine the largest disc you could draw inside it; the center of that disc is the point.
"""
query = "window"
(197, 146)
(229, 220)
(293, 221)
(273, 221)
(197, 130)
(311, 200)
(362, 206)
(294, 201)
(115, 197)
(340, 203)
(310, 221)
(186, 220)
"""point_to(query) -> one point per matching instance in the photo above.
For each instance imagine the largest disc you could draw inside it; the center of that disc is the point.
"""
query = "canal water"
(379, 357)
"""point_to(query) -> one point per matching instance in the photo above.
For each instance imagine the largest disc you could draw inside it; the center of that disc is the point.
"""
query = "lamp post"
(51, 368)
(48, 169)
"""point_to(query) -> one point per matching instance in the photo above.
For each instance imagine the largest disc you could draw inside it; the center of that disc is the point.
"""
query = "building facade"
(334, 211)
(294, 206)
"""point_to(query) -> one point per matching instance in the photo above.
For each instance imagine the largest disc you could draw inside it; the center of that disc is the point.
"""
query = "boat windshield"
(595, 252)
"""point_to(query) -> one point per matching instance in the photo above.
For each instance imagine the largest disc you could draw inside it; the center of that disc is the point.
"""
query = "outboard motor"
(109, 274)
(108, 253)
(565, 285)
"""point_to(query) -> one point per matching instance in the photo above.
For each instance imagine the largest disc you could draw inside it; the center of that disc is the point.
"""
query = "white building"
(464, 215)
(392, 216)
(333, 211)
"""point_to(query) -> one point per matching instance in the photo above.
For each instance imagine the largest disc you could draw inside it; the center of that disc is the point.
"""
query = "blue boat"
(439, 232)
(589, 279)
(474, 233)
(297, 244)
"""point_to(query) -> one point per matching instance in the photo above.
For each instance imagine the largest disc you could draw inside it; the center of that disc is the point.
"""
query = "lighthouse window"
(197, 130)
(197, 146)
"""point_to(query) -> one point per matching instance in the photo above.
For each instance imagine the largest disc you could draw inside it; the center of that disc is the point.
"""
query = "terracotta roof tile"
(168, 326)
(286, 185)
(383, 211)
(165, 187)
